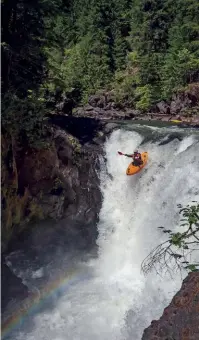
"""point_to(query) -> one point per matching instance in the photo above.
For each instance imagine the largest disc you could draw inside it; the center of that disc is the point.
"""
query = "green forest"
(143, 50)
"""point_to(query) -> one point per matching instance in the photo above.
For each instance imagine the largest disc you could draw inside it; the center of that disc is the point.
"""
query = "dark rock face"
(59, 182)
(77, 171)
(180, 320)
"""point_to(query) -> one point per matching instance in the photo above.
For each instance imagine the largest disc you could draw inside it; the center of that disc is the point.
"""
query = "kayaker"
(137, 159)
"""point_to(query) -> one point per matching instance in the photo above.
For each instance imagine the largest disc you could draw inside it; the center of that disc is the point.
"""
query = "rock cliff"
(58, 182)
(180, 320)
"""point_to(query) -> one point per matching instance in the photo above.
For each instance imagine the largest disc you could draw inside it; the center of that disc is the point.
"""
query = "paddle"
(120, 153)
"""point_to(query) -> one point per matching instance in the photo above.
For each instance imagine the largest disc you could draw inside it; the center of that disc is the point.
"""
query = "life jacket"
(137, 155)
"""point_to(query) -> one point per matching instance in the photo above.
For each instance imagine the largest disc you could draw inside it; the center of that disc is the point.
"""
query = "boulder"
(180, 320)
(163, 107)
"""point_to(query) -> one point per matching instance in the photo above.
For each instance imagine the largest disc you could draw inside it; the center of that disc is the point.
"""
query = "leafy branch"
(176, 252)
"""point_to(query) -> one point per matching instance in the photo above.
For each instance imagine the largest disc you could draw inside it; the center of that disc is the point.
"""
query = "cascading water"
(116, 301)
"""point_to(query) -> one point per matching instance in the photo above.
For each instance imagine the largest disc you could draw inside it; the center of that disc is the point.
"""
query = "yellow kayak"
(176, 121)
(132, 169)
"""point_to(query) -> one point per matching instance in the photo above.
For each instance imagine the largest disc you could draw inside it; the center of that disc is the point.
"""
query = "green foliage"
(181, 62)
(190, 215)
(126, 81)
(23, 69)
(164, 35)
(164, 39)
(144, 50)
(22, 32)
(124, 85)
(86, 59)
(178, 70)
(29, 118)
(144, 97)
(180, 246)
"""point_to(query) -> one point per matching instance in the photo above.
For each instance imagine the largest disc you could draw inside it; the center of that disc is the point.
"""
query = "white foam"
(185, 144)
(38, 273)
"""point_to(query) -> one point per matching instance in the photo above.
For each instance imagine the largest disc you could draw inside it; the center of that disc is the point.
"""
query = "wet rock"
(176, 105)
(88, 108)
(98, 100)
(180, 320)
(136, 112)
(93, 100)
(109, 127)
(63, 103)
(163, 107)
(109, 114)
(98, 110)
(193, 93)
(108, 106)
(102, 102)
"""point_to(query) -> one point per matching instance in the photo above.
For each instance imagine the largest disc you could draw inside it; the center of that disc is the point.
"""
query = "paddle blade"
(120, 153)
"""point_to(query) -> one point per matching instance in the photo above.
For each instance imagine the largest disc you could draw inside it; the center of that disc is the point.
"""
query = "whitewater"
(116, 301)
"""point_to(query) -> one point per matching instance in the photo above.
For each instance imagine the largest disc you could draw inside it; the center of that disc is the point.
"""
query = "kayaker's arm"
(128, 155)
(124, 154)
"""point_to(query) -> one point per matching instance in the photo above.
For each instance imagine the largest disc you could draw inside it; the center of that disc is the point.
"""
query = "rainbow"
(32, 304)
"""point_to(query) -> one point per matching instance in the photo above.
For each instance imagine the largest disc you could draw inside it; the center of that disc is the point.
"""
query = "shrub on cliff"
(178, 251)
